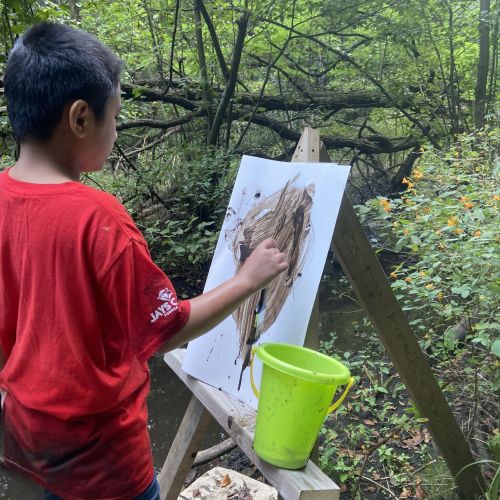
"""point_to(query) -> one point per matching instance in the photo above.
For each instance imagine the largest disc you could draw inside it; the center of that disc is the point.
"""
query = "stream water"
(169, 397)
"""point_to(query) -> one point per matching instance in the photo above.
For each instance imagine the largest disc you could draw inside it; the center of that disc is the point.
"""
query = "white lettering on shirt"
(168, 307)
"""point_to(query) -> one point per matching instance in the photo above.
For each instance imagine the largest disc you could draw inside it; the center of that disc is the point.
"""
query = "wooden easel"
(374, 292)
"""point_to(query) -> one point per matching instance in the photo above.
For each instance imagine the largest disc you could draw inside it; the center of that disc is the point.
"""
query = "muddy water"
(169, 397)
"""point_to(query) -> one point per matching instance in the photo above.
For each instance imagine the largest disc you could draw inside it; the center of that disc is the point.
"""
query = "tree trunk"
(494, 61)
(205, 85)
(482, 65)
(231, 83)
(74, 10)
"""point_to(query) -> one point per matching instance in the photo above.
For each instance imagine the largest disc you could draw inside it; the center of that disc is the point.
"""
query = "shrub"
(446, 225)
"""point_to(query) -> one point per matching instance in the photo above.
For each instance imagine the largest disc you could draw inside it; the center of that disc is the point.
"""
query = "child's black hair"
(50, 66)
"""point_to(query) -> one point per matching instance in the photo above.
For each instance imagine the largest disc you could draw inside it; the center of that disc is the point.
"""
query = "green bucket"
(296, 391)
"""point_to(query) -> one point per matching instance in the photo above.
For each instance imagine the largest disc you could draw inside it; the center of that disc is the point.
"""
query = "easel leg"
(183, 450)
(312, 342)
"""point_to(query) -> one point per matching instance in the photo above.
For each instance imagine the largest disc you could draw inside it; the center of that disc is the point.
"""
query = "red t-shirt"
(82, 308)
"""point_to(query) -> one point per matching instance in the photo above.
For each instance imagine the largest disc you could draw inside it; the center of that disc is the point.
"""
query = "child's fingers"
(269, 243)
(282, 266)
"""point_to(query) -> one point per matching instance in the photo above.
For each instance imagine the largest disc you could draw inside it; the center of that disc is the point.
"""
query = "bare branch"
(148, 122)
(231, 84)
(200, 48)
(367, 144)
(172, 46)
(215, 39)
(130, 91)
(264, 83)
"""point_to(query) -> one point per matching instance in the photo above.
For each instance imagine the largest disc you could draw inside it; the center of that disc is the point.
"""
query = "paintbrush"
(258, 320)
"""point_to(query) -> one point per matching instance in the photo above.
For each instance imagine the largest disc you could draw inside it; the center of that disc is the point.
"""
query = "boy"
(79, 294)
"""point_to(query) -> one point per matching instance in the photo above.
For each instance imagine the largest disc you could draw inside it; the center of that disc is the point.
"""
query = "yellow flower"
(440, 296)
(465, 200)
(458, 230)
(452, 221)
(417, 175)
(393, 275)
(408, 279)
(496, 197)
(407, 182)
(477, 233)
(422, 273)
(386, 204)
(429, 286)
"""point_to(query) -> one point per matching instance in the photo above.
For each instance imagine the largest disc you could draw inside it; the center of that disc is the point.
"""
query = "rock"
(225, 484)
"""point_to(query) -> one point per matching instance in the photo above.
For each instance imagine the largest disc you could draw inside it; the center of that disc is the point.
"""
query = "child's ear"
(80, 117)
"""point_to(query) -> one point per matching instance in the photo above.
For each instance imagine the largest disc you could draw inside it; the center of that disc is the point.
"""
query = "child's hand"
(263, 265)
(209, 309)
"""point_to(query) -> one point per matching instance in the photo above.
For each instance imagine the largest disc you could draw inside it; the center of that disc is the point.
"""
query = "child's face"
(102, 136)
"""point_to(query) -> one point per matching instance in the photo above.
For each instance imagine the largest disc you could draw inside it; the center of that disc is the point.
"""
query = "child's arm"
(209, 309)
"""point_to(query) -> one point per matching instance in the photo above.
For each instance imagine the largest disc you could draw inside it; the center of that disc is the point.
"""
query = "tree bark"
(482, 65)
(494, 60)
(215, 39)
(200, 48)
(74, 10)
(231, 83)
(328, 101)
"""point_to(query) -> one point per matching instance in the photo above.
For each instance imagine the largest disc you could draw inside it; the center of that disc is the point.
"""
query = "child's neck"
(39, 164)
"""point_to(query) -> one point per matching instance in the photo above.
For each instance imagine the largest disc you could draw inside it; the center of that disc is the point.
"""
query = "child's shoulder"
(99, 204)
(100, 198)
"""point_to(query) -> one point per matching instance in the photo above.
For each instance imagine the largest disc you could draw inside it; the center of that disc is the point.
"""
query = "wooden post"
(360, 263)
(308, 151)
(183, 450)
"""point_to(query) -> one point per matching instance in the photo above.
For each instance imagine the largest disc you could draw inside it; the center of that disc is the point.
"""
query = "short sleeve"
(142, 299)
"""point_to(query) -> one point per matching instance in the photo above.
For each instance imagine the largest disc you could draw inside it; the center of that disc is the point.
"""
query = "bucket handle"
(330, 409)
(252, 383)
(344, 394)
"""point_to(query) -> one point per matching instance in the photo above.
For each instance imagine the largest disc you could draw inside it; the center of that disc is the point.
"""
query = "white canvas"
(215, 357)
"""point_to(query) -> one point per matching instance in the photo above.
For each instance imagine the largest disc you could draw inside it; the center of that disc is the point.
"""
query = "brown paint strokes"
(284, 216)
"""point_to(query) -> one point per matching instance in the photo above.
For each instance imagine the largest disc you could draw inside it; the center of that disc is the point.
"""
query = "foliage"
(375, 438)
(447, 221)
(415, 68)
(445, 228)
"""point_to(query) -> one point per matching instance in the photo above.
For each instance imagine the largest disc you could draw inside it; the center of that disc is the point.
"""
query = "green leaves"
(447, 223)
(462, 290)
(495, 348)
